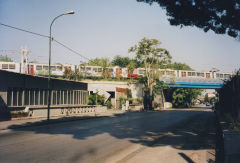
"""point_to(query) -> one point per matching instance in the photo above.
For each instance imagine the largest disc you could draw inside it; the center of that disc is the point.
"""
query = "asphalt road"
(164, 136)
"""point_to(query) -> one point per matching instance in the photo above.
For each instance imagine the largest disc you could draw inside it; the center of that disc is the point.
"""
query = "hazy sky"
(109, 27)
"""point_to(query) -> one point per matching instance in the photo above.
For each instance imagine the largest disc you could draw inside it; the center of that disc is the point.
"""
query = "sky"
(107, 28)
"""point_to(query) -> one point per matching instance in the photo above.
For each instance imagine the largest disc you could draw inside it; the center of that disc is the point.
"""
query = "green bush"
(93, 97)
(138, 100)
(122, 101)
(185, 97)
(109, 104)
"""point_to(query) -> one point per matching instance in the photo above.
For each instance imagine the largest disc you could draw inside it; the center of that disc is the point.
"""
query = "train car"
(168, 73)
(223, 76)
(140, 71)
(193, 74)
(95, 70)
(10, 66)
(133, 73)
(42, 69)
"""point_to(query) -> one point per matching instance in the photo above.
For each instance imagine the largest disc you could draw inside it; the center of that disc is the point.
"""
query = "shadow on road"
(161, 128)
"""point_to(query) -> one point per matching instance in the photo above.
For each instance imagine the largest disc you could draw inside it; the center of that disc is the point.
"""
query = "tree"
(103, 62)
(121, 61)
(5, 59)
(72, 75)
(93, 98)
(179, 66)
(181, 97)
(220, 16)
(149, 53)
(185, 97)
(98, 62)
(206, 98)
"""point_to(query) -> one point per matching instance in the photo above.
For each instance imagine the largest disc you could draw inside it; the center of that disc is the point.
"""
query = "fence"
(229, 97)
(39, 97)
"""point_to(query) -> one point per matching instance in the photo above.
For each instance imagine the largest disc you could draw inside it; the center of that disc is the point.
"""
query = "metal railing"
(38, 97)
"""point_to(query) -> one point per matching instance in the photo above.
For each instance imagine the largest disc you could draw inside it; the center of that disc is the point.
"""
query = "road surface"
(163, 136)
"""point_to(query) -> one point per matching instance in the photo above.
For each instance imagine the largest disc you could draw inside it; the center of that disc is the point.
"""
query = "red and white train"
(35, 68)
(58, 70)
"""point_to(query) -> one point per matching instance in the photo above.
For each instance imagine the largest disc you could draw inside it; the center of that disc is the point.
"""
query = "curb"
(58, 120)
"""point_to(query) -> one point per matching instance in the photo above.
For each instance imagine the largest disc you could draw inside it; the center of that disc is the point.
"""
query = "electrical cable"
(70, 49)
(34, 33)
(23, 30)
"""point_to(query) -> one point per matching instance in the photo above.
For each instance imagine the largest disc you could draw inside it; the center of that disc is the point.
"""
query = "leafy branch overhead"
(220, 16)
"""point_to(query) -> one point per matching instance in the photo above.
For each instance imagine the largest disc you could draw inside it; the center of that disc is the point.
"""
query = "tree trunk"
(148, 100)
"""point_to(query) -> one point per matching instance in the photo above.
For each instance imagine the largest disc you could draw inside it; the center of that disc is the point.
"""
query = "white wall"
(136, 89)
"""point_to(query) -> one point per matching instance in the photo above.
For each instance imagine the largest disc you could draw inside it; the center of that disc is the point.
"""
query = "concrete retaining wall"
(231, 146)
(231, 141)
(41, 112)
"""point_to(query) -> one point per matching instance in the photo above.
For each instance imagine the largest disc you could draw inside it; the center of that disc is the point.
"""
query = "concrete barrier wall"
(66, 111)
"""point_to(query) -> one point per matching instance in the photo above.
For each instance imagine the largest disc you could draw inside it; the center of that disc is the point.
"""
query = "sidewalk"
(27, 122)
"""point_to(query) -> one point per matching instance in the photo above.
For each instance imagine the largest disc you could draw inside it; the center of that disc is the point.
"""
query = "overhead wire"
(23, 30)
(38, 34)
(65, 46)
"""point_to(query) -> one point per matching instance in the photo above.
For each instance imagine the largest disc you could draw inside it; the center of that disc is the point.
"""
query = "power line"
(34, 33)
(71, 49)
(23, 30)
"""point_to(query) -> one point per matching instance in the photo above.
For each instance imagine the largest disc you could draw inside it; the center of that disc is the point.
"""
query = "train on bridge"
(97, 71)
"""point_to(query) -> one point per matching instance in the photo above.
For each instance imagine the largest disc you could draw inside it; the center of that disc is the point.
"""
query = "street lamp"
(49, 63)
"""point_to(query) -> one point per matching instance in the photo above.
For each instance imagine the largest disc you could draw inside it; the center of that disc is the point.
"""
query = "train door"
(183, 74)
(207, 75)
(118, 72)
(31, 69)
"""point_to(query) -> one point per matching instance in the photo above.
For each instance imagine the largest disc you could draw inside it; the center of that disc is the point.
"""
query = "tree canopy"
(5, 59)
(121, 61)
(152, 56)
(185, 97)
(220, 16)
(179, 66)
(99, 62)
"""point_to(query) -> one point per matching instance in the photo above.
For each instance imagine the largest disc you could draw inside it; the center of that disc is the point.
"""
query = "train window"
(88, 68)
(4, 66)
(53, 68)
(169, 72)
(183, 74)
(95, 69)
(193, 74)
(200, 74)
(226, 76)
(141, 71)
(82, 68)
(189, 74)
(38, 67)
(162, 72)
(110, 70)
(99, 69)
(12, 66)
(45, 67)
(221, 75)
(217, 75)
(59, 68)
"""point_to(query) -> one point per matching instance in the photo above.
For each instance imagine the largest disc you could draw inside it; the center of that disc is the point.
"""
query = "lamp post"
(49, 63)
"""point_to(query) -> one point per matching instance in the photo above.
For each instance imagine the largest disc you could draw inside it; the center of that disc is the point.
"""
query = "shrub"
(109, 104)
(93, 97)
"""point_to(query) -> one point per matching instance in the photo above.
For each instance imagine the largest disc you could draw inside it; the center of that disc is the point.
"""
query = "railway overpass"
(194, 83)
